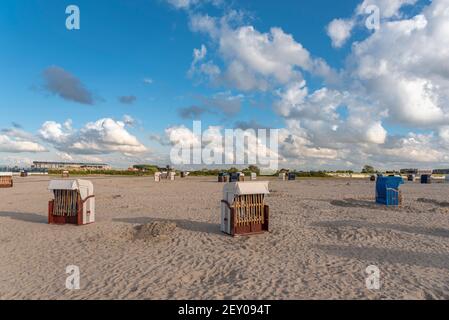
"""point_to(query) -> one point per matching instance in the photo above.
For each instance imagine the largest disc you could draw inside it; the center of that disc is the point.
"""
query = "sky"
(344, 88)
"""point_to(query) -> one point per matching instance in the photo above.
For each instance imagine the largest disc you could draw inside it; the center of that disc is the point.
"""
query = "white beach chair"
(73, 203)
(243, 209)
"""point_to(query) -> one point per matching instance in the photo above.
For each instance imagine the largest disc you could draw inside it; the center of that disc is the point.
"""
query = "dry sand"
(325, 233)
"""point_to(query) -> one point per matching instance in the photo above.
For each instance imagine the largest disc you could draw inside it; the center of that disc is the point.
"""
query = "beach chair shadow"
(378, 256)
(442, 204)
(426, 231)
(27, 217)
(195, 226)
(353, 203)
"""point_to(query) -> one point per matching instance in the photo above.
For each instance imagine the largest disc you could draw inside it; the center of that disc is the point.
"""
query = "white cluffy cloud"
(201, 67)
(16, 140)
(404, 67)
(182, 4)
(187, 4)
(340, 30)
(11, 144)
(388, 8)
(103, 136)
(319, 114)
(254, 60)
(216, 149)
(396, 76)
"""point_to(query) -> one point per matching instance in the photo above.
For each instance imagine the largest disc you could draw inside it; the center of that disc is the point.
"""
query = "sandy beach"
(324, 234)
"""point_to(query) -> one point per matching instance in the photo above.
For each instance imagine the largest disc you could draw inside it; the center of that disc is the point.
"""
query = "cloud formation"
(103, 136)
(397, 76)
(16, 140)
(187, 4)
(339, 30)
(214, 150)
(127, 99)
(192, 112)
(224, 102)
(65, 85)
(254, 60)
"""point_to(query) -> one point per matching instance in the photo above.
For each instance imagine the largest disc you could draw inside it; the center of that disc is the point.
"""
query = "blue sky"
(121, 43)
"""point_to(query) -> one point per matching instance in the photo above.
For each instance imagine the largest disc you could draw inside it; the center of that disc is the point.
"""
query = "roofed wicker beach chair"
(73, 202)
(6, 180)
(235, 177)
(243, 208)
(223, 177)
(426, 179)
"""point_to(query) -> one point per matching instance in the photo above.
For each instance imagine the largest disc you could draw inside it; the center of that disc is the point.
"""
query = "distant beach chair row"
(158, 176)
(243, 208)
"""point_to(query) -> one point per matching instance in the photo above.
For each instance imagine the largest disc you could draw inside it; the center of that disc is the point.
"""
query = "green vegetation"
(205, 173)
(312, 174)
(368, 169)
(251, 169)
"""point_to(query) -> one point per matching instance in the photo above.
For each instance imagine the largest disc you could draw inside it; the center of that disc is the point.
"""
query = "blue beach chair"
(387, 191)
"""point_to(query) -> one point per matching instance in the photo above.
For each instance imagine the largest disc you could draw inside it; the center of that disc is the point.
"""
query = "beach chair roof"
(85, 187)
(243, 188)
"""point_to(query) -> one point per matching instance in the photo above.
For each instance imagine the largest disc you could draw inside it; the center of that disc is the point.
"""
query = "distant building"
(441, 171)
(409, 171)
(422, 172)
(49, 165)
(17, 169)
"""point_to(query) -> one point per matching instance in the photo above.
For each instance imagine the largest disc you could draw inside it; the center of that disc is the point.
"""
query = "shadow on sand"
(27, 217)
(353, 203)
(195, 226)
(441, 204)
(435, 232)
(380, 255)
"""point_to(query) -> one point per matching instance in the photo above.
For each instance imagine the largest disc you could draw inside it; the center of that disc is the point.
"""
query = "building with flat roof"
(441, 171)
(50, 165)
(409, 171)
